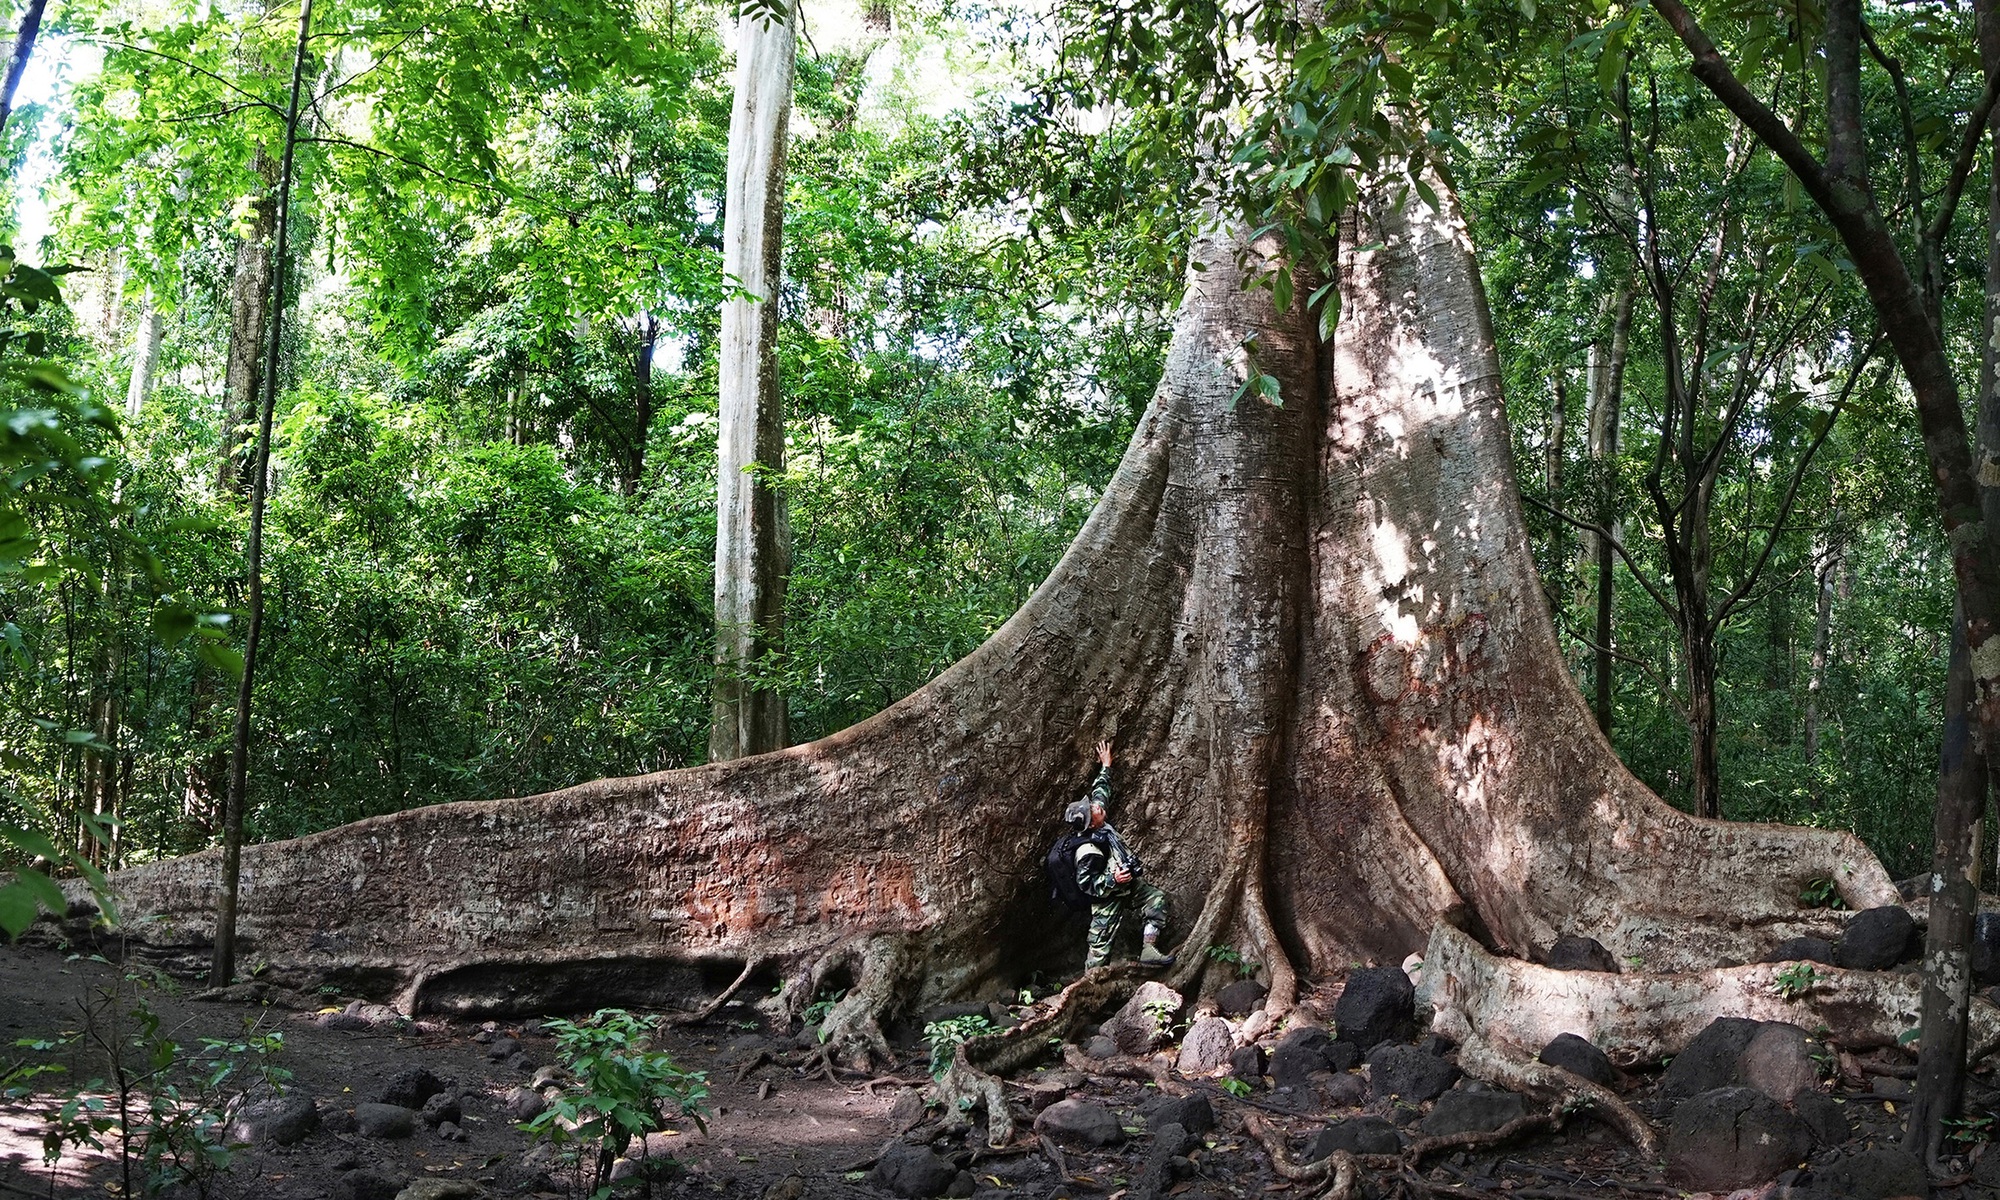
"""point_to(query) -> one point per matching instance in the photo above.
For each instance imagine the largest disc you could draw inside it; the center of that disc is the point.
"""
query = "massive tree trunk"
(1315, 634)
(753, 541)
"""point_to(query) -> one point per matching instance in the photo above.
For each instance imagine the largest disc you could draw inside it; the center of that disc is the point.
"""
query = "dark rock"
(1171, 1140)
(427, 1187)
(1247, 1062)
(1778, 1061)
(441, 1108)
(523, 1062)
(1361, 1135)
(1378, 1004)
(1101, 1047)
(1572, 953)
(450, 1132)
(1708, 1062)
(908, 1110)
(364, 1184)
(1580, 1058)
(1733, 1137)
(1438, 1044)
(1802, 949)
(410, 1087)
(1192, 1113)
(337, 1120)
(1986, 949)
(1880, 1173)
(503, 1049)
(1408, 1072)
(350, 1022)
(1206, 1048)
(1299, 1054)
(384, 1120)
(911, 1171)
(1341, 1056)
(1341, 1091)
(1080, 1123)
(1883, 1085)
(1876, 939)
(1240, 999)
(1146, 1020)
(1824, 1116)
(1473, 1108)
(523, 1104)
(281, 1122)
(963, 1185)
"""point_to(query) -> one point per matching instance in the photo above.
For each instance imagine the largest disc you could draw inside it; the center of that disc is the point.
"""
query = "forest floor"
(773, 1130)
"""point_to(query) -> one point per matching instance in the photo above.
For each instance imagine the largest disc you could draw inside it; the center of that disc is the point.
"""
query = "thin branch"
(1961, 166)
(1617, 546)
(251, 97)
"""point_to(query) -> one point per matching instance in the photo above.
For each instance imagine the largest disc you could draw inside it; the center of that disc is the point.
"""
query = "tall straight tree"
(223, 968)
(752, 533)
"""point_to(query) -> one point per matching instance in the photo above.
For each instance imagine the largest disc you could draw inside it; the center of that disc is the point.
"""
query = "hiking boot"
(1153, 956)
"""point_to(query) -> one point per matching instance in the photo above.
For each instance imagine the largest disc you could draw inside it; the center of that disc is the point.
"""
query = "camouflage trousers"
(1107, 919)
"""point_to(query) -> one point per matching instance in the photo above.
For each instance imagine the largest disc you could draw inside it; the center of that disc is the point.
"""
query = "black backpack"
(1060, 867)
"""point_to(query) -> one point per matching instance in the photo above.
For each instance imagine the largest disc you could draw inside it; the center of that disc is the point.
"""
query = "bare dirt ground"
(776, 1131)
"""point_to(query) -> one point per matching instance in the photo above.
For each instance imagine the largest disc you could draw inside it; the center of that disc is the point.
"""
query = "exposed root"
(972, 1078)
(1531, 1123)
(1345, 1173)
(1272, 1140)
(869, 1085)
(751, 966)
(1484, 1060)
(743, 1069)
(851, 1036)
(1054, 1154)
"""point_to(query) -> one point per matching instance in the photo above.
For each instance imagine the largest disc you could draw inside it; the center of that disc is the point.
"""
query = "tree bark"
(1315, 634)
(222, 969)
(145, 357)
(1823, 578)
(249, 296)
(17, 57)
(1606, 403)
(642, 402)
(753, 535)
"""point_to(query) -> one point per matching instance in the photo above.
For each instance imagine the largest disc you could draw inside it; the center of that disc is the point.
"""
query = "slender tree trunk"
(642, 402)
(753, 535)
(249, 294)
(145, 357)
(1822, 644)
(1606, 403)
(17, 58)
(223, 969)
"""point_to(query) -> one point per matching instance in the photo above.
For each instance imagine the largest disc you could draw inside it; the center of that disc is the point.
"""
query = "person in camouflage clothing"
(1109, 873)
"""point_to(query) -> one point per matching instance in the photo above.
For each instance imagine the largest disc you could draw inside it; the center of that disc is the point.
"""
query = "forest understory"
(1204, 1101)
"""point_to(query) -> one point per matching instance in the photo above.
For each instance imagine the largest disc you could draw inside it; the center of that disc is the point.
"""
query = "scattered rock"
(342, 1020)
(962, 1186)
(1731, 1138)
(1341, 1091)
(1361, 1135)
(1299, 1055)
(1206, 1048)
(1580, 1058)
(1883, 1085)
(1341, 1056)
(1778, 1061)
(1146, 1020)
(375, 1014)
(1881, 1173)
(450, 1132)
(1802, 949)
(523, 1062)
(1247, 1063)
(429, 1188)
(791, 1187)
(1171, 1140)
(441, 1108)
(337, 1120)
(1473, 1107)
(281, 1122)
(1192, 1113)
(410, 1087)
(384, 1120)
(364, 1184)
(1986, 949)
(1408, 1072)
(1377, 1005)
(1572, 953)
(1101, 1047)
(1241, 998)
(911, 1171)
(502, 1049)
(1080, 1123)
(523, 1104)
(1824, 1116)
(544, 1076)
(907, 1111)
(1876, 939)
(1708, 1062)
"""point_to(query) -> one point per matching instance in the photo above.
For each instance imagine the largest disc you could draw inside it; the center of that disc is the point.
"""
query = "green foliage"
(623, 1090)
(1969, 1130)
(1236, 1087)
(1821, 893)
(1795, 980)
(944, 1038)
(1230, 956)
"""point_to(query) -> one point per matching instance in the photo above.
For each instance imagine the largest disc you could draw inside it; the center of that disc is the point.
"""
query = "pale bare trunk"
(17, 58)
(752, 536)
(1607, 386)
(249, 300)
(145, 357)
(1822, 647)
